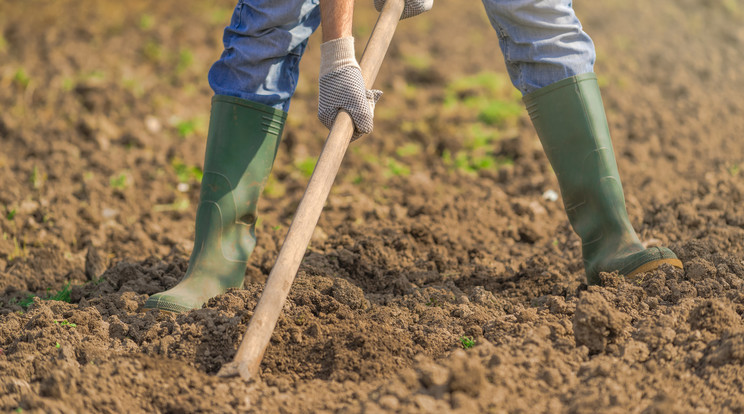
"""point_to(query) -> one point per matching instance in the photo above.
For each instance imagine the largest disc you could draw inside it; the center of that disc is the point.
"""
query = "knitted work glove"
(342, 87)
(412, 7)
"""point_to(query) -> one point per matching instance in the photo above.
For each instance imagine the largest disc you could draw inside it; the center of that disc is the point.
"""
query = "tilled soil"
(440, 230)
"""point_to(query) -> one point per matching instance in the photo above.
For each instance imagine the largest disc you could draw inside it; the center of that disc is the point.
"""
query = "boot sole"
(653, 265)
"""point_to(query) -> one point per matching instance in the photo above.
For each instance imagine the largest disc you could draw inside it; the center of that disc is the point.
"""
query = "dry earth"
(437, 231)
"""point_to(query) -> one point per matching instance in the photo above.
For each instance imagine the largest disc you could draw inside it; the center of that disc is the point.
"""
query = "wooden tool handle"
(262, 324)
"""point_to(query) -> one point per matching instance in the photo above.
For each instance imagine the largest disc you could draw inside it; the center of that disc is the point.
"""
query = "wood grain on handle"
(257, 336)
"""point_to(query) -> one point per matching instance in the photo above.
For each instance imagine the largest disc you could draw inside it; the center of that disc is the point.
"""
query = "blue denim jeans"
(542, 42)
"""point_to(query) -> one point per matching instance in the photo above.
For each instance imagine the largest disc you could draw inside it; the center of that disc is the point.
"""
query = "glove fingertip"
(374, 95)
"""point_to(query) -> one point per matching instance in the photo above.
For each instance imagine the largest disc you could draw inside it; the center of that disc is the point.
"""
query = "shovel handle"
(261, 326)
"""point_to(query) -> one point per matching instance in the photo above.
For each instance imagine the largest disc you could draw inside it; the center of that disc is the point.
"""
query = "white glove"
(412, 7)
(342, 87)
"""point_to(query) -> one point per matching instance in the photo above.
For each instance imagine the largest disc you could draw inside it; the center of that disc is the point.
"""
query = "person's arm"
(341, 82)
(336, 17)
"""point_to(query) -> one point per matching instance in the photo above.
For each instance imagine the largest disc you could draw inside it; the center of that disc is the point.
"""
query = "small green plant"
(68, 84)
(487, 94)
(180, 204)
(65, 322)
(467, 342)
(152, 51)
(37, 178)
(186, 128)
(396, 168)
(21, 78)
(57, 345)
(274, 188)
(146, 21)
(409, 149)
(10, 214)
(186, 173)
(734, 170)
(306, 166)
(27, 301)
(418, 62)
(19, 250)
(62, 295)
(497, 112)
(185, 59)
(472, 162)
(119, 182)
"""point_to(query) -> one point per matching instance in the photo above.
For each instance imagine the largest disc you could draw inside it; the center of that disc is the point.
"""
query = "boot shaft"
(570, 120)
(241, 147)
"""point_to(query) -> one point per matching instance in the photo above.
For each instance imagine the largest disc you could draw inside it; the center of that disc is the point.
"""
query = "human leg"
(254, 81)
(550, 59)
(542, 41)
(263, 46)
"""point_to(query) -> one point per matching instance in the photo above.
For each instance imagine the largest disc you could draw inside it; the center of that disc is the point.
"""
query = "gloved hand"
(412, 7)
(342, 87)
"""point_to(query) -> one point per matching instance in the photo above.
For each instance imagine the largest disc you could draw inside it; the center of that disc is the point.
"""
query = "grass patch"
(396, 168)
(489, 95)
(470, 162)
(180, 204)
(185, 59)
(498, 112)
(418, 62)
(146, 21)
(186, 128)
(186, 173)
(306, 166)
(408, 150)
(274, 188)
(62, 295)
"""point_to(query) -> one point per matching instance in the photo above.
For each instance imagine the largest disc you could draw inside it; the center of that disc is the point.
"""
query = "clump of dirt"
(443, 275)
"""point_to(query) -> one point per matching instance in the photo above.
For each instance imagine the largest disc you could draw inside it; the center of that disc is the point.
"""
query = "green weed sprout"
(186, 173)
(146, 22)
(119, 182)
(306, 166)
(65, 322)
(27, 301)
(186, 128)
(37, 178)
(21, 78)
(467, 342)
(62, 295)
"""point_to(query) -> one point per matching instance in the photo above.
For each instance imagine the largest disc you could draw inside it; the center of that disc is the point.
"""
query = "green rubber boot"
(241, 147)
(570, 120)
